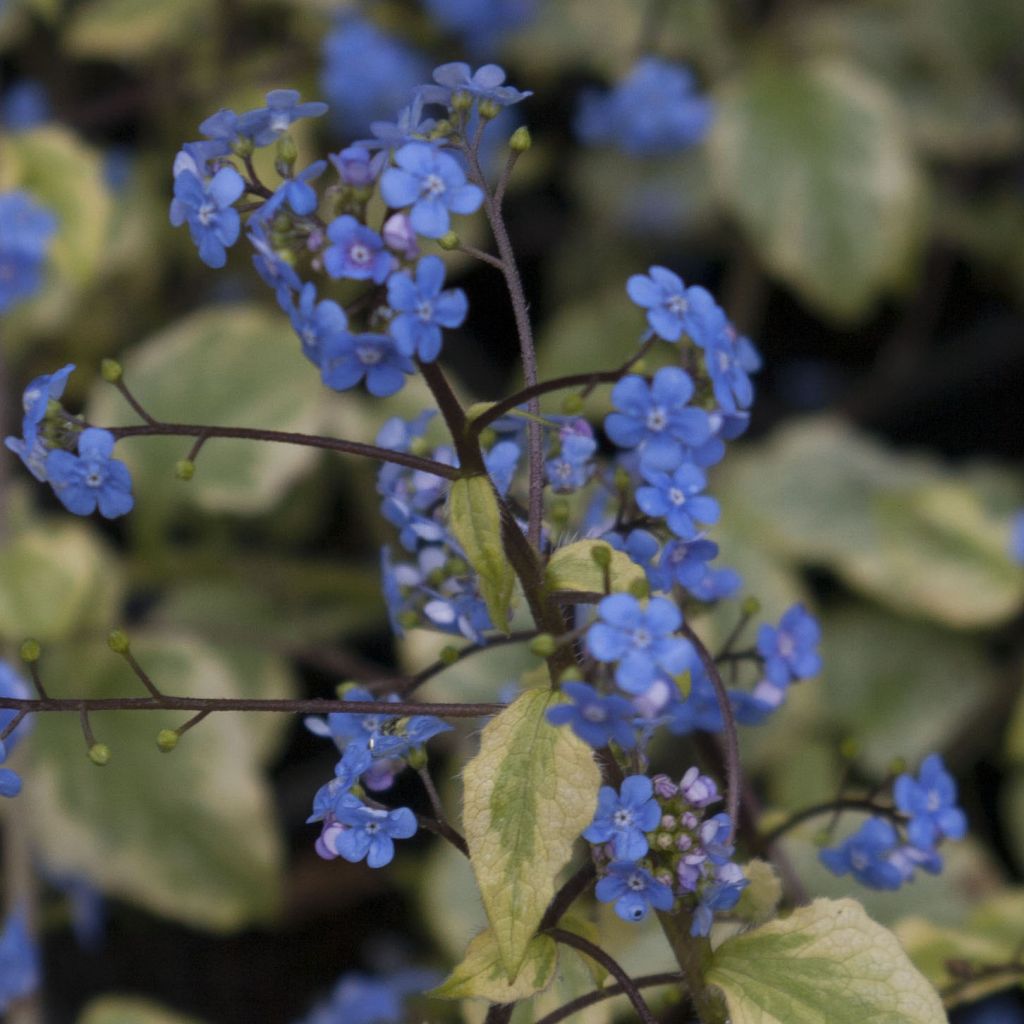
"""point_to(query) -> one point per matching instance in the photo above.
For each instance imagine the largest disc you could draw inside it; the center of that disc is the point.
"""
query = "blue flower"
(634, 891)
(640, 640)
(672, 308)
(700, 710)
(316, 322)
(11, 685)
(296, 192)
(358, 252)
(283, 108)
(10, 781)
(596, 719)
(622, 818)
(571, 468)
(654, 110)
(640, 545)
(729, 360)
(25, 105)
(657, 418)
(91, 479)
(371, 831)
(37, 396)
(409, 126)
(434, 185)
(349, 358)
(930, 801)
(357, 166)
(422, 309)
(866, 855)
(212, 220)
(272, 268)
(367, 74)
(486, 83)
(686, 563)
(355, 760)
(359, 999)
(501, 462)
(346, 727)
(678, 499)
(722, 892)
(790, 651)
(19, 960)
(25, 232)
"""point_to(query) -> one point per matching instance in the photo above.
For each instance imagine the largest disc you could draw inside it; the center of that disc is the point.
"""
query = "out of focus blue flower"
(24, 105)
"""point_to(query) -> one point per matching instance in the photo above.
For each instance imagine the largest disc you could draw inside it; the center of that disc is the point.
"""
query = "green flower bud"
(488, 437)
(461, 100)
(543, 646)
(99, 754)
(558, 510)
(111, 371)
(751, 606)
(417, 759)
(242, 147)
(640, 589)
(489, 110)
(117, 641)
(167, 740)
(184, 469)
(849, 748)
(449, 241)
(408, 620)
(456, 567)
(30, 651)
(448, 655)
(897, 766)
(622, 481)
(343, 689)
(602, 555)
(521, 140)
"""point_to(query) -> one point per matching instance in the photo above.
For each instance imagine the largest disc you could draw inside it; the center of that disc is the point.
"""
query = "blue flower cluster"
(11, 685)
(78, 464)
(655, 844)
(398, 319)
(25, 233)
(654, 110)
(884, 852)
(19, 960)
(374, 747)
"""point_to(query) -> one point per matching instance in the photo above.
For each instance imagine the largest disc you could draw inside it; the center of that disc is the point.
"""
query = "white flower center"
(433, 185)
(279, 121)
(594, 713)
(425, 310)
(206, 214)
(642, 638)
(636, 882)
(657, 419)
(622, 818)
(933, 801)
(676, 496)
(677, 304)
(359, 254)
(369, 356)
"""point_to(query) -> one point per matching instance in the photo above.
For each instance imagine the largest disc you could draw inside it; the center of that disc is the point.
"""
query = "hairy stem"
(599, 995)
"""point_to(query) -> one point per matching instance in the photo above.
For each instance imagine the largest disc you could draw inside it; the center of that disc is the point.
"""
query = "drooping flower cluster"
(374, 748)
(655, 844)
(77, 463)
(363, 999)
(25, 233)
(884, 852)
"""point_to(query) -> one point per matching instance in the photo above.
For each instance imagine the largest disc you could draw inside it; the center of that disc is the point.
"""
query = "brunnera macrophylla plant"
(586, 540)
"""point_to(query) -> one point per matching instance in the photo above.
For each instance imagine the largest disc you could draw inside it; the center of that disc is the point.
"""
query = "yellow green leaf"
(476, 522)
(528, 794)
(827, 963)
(573, 568)
(481, 974)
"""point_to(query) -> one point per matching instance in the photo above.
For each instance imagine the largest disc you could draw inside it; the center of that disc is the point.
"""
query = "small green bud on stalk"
(489, 110)
(242, 147)
(751, 606)
(449, 655)
(572, 405)
(417, 758)
(184, 469)
(462, 100)
(167, 740)
(602, 555)
(111, 371)
(521, 140)
(117, 641)
(99, 754)
(449, 241)
(30, 651)
(640, 589)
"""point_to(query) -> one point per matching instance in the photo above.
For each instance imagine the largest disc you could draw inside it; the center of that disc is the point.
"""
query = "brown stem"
(574, 887)
(599, 995)
(369, 451)
(733, 773)
(844, 803)
(611, 965)
(134, 402)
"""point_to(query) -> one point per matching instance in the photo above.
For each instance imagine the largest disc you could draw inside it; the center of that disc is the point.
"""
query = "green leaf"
(828, 963)
(899, 686)
(900, 529)
(760, 899)
(66, 176)
(191, 835)
(56, 580)
(130, 1010)
(528, 794)
(573, 568)
(133, 30)
(228, 366)
(814, 162)
(481, 974)
(990, 937)
(475, 520)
